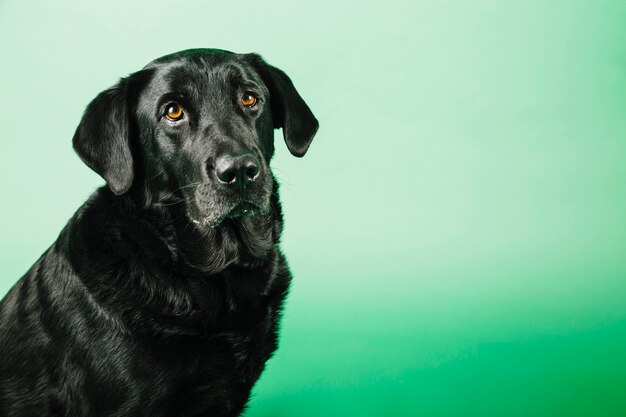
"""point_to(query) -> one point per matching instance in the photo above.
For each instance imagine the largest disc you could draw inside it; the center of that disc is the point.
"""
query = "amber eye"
(248, 100)
(174, 112)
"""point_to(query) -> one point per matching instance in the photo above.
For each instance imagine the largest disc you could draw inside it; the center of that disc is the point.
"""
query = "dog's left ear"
(102, 139)
(289, 110)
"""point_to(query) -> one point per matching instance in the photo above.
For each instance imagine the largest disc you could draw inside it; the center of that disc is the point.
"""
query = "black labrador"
(162, 295)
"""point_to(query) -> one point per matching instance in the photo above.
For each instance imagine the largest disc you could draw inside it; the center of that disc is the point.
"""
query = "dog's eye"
(248, 100)
(174, 112)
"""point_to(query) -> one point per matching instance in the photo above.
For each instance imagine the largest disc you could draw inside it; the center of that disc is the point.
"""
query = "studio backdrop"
(457, 230)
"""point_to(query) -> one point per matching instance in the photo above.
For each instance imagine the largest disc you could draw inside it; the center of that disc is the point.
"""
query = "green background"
(457, 231)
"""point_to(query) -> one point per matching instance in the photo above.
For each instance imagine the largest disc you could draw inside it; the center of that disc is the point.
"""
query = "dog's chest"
(215, 369)
(214, 372)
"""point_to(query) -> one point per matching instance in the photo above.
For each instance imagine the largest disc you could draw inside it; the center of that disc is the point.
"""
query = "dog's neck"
(187, 267)
(240, 242)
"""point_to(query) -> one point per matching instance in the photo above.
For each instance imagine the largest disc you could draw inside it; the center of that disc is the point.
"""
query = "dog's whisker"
(169, 204)
(154, 176)
(190, 185)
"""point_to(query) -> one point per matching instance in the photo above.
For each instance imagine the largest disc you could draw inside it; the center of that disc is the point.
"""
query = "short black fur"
(162, 295)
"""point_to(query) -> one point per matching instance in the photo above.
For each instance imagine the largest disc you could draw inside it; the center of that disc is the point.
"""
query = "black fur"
(162, 295)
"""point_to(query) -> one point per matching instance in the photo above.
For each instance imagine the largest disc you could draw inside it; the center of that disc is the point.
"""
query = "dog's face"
(196, 127)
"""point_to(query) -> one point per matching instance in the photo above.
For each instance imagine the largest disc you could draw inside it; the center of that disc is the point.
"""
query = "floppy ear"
(102, 139)
(289, 110)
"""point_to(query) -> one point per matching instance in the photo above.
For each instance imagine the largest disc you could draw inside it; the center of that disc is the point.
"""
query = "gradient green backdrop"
(458, 229)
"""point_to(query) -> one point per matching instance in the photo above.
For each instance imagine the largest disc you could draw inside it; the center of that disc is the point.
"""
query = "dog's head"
(196, 128)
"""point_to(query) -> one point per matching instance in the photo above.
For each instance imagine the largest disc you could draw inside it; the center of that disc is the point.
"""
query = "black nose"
(237, 172)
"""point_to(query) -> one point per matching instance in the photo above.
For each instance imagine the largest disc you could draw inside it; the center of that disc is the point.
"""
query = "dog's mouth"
(237, 210)
(243, 209)
(208, 209)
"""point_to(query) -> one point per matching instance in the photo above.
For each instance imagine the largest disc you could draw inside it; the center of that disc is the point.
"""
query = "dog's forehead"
(198, 55)
(200, 73)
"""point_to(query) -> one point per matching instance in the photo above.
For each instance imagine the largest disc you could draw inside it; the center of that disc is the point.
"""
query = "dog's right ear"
(102, 139)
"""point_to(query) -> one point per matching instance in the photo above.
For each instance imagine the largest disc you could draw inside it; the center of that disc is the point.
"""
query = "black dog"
(162, 295)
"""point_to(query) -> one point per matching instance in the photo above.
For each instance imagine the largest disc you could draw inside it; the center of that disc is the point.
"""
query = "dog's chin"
(213, 218)
(244, 209)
